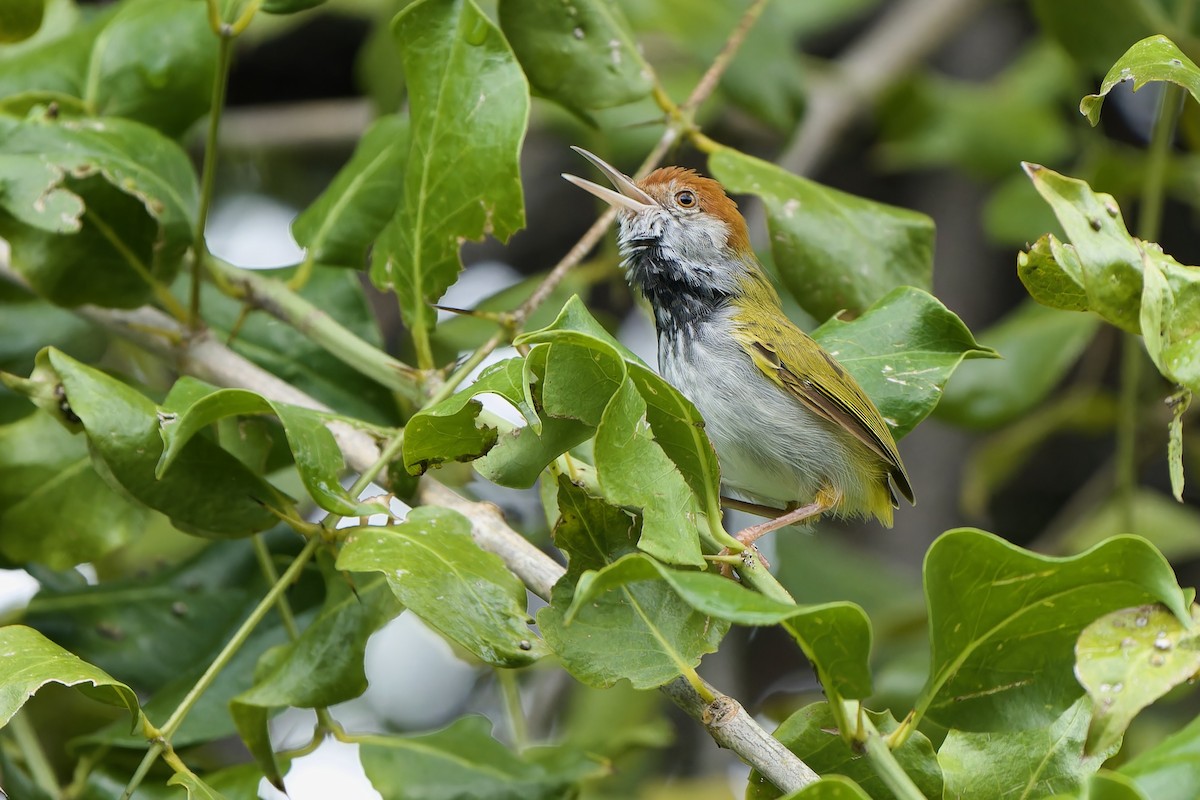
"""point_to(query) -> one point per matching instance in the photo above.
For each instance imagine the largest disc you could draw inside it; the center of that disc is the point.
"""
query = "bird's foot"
(748, 536)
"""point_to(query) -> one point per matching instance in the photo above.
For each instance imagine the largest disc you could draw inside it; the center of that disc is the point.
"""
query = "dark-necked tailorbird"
(790, 425)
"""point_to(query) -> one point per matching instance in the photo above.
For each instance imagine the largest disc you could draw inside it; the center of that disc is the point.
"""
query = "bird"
(796, 437)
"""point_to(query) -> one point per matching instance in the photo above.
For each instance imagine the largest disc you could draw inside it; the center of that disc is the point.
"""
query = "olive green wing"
(794, 361)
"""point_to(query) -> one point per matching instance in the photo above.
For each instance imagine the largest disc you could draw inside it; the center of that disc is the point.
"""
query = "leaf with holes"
(1155, 58)
(469, 105)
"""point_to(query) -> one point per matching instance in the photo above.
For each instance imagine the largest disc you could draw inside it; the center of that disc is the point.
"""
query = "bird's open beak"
(628, 196)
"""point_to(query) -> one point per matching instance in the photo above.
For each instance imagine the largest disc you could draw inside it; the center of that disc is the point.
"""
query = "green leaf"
(20, 19)
(1131, 283)
(1034, 762)
(834, 251)
(836, 637)
(469, 105)
(831, 787)
(109, 623)
(1095, 32)
(436, 570)
(1038, 347)
(1179, 403)
(634, 472)
(196, 788)
(1170, 770)
(321, 668)
(289, 6)
(316, 453)
(1048, 273)
(123, 195)
(462, 760)
(29, 661)
(344, 220)
(1128, 659)
(573, 320)
(450, 430)
(1005, 664)
(644, 632)
(1155, 58)
(284, 351)
(167, 85)
(811, 733)
(54, 508)
(209, 492)
(581, 55)
(209, 718)
(1107, 785)
(902, 351)
(103, 66)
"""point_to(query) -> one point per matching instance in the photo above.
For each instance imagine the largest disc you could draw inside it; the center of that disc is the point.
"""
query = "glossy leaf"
(634, 472)
(209, 492)
(344, 220)
(834, 251)
(29, 661)
(321, 668)
(1128, 659)
(1005, 664)
(436, 570)
(1170, 770)
(1108, 785)
(469, 105)
(20, 19)
(54, 508)
(167, 85)
(580, 55)
(576, 319)
(121, 203)
(1131, 283)
(812, 734)
(102, 65)
(318, 458)
(1035, 762)
(1037, 345)
(644, 631)
(463, 760)
(1155, 58)
(902, 351)
(836, 637)
(831, 787)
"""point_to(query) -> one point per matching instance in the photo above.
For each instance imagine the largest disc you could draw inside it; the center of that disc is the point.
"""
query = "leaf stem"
(272, 575)
(35, 757)
(209, 171)
(886, 766)
(510, 689)
(280, 301)
(220, 662)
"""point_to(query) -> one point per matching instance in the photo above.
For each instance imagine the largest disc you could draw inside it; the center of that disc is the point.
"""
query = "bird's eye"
(685, 199)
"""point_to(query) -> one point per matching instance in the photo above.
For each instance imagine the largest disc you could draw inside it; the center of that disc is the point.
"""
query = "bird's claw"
(747, 555)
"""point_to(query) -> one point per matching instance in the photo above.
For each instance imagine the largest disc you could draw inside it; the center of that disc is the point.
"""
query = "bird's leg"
(753, 508)
(750, 535)
(827, 498)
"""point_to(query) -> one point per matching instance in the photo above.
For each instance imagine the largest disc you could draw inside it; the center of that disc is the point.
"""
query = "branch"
(202, 356)
(899, 40)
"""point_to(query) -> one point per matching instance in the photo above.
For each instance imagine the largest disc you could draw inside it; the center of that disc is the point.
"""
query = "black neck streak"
(681, 297)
